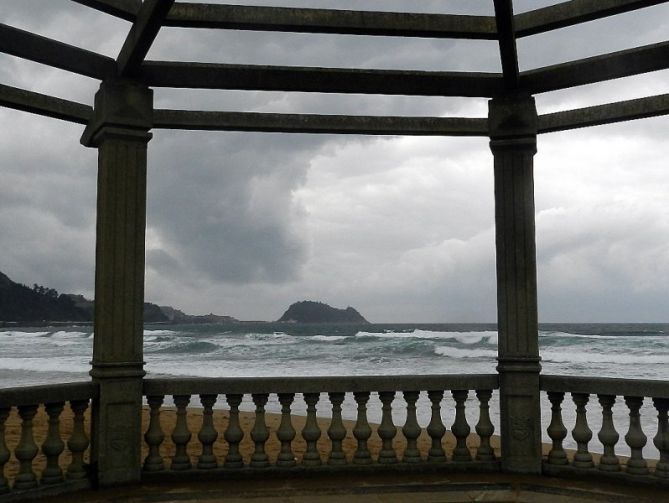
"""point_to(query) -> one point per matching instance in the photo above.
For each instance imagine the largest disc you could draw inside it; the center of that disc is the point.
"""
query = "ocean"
(43, 355)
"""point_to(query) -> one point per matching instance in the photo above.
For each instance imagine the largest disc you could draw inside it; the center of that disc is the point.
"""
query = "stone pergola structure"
(120, 122)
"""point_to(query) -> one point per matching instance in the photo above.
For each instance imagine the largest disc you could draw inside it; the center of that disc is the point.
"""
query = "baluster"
(581, 432)
(387, 429)
(233, 433)
(661, 440)
(181, 435)
(484, 428)
(4, 451)
(362, 431)
(436, 428)
(336, 431)
(26, 451)
(78, 441)
(311, 432)
(208, 434)
(53, 445)
(556, 430)
(460, 427)
(635, 438)
(260, 433)
(608, 435)
(411, 429)
(154, 435)
(286, 432)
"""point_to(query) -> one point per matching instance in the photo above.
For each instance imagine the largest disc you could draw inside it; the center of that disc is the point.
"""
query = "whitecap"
(328, 338)
(159, 332)
(452, 352)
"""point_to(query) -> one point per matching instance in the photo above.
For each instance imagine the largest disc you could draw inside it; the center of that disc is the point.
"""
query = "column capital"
(512, 117)
(122, 107)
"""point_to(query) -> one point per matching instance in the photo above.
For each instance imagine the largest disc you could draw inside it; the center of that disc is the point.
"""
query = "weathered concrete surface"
(120, 132)
(513, 126)
(398, 488)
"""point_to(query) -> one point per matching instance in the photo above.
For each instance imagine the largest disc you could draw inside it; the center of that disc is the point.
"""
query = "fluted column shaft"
(513, 129)
(119, 130)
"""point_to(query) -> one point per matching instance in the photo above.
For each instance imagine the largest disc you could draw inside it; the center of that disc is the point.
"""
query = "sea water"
(44, 355)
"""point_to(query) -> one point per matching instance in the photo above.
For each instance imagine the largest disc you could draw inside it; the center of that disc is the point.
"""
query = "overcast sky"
(401, 228)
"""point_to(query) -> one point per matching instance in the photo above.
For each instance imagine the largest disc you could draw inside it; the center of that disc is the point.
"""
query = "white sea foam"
(624, 358)
(488, 336)
(159, 332)
(63, 334)
(15, 333)
(59, 364)
(452, 352)
(327, 338)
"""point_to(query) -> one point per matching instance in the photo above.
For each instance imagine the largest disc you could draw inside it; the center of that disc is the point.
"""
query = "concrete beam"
(41, 104)
(574, 12)
(615, 65)
(241, 17)
(610, 113)
(321, 80)
(507, 42)
(26, 45)
(319, 124)
(125, 9)
(142, 34)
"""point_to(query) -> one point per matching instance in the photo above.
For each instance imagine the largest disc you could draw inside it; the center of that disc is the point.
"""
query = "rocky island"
(308, 311)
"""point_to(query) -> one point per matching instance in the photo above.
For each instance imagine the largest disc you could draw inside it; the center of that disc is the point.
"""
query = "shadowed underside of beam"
(615, 65)
(322, 80)
(610, 113)
(42, 104)
(574, 12)
(323, 124)
(24, 44)
(353, 22)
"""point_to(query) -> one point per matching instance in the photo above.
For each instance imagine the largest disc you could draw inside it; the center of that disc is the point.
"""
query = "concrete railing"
(36, 465)
(321, 437)
(632, 393)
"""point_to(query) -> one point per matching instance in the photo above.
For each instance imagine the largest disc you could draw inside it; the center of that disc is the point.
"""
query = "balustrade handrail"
(317, 384)
(48, 393)
(605, 386)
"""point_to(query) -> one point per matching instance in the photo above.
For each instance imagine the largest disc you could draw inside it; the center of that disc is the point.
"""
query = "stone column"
(119, 130)
(513, 129)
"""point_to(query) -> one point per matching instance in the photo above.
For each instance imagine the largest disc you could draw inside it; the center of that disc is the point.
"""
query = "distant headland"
(20, 304)
(39, 305)
(308, 311)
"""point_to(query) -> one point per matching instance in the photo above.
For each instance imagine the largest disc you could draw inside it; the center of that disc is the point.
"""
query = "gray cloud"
(401, 228)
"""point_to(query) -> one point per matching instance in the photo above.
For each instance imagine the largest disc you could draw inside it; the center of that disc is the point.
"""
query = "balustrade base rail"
(301, 471)
(574, 473)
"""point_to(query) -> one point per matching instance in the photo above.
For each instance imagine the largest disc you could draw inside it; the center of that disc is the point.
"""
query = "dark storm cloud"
(401, 228)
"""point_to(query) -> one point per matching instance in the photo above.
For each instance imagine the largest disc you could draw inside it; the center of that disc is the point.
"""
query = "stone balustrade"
(319, 392)
(602, 394)
(36, 466)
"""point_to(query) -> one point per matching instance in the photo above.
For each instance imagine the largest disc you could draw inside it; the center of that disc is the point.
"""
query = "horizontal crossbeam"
(125, 9)
(610, 113)
(319, 124)
(574, 12)
(242, 17)
(321, 80)
(26, 45)
(507, 42)
(142, 34)
(596, 69)
(41, 104)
